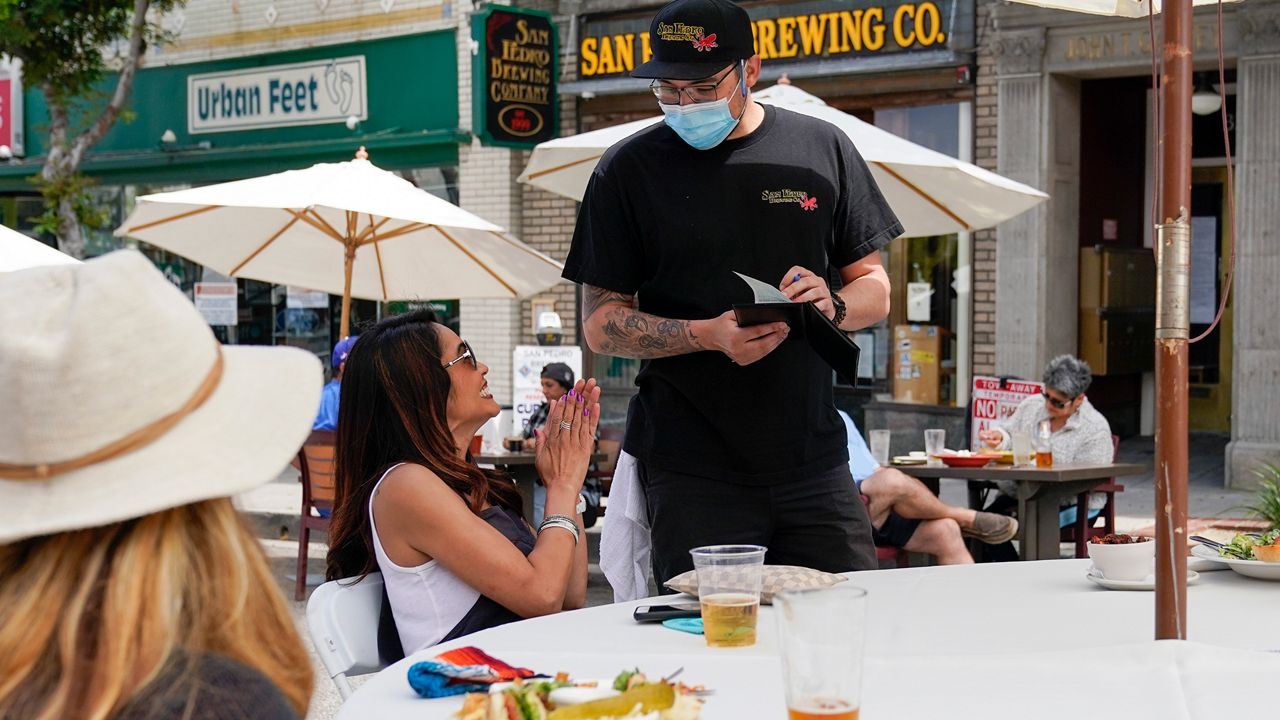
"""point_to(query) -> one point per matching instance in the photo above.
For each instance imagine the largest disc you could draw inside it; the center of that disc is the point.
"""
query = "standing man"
(327, 415)
(734, 428)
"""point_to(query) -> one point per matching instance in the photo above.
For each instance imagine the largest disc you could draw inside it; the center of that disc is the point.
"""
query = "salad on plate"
(630, 696)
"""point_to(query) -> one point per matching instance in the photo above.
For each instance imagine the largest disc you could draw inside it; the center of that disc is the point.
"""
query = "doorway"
(1209, 361)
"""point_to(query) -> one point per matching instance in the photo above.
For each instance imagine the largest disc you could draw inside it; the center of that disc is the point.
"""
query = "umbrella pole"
(1173, 270)
(345, 326)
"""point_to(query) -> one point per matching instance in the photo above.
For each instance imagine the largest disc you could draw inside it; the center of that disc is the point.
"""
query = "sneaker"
(991, 528)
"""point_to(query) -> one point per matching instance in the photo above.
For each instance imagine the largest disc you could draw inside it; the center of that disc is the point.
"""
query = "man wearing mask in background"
(734, 428)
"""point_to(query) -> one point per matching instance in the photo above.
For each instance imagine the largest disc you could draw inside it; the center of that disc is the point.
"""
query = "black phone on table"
(658, 613)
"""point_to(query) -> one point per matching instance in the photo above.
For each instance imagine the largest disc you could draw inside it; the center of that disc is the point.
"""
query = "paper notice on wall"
(918, 294)
(1204, 269)
(217, 302)
(526, 368)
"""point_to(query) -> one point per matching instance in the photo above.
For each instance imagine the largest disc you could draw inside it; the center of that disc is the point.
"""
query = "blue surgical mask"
(701, 125)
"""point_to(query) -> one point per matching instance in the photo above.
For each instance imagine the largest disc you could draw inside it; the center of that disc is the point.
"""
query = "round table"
(1007, 640)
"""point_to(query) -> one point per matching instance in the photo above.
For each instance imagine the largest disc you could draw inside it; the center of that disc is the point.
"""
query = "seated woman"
(130, 588)
(455, 552)
(1080, 434)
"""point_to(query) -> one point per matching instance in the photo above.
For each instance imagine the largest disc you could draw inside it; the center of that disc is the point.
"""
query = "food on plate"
(1118, 539)
(1267, 553)
(1246, 547)
(635, 698)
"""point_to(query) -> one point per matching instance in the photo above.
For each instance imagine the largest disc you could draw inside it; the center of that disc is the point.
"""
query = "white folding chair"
(342, 618)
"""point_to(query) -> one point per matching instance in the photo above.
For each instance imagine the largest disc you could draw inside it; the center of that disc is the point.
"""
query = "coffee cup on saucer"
(1131, 562)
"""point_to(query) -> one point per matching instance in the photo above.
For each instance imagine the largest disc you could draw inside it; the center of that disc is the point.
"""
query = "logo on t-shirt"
(786, 195)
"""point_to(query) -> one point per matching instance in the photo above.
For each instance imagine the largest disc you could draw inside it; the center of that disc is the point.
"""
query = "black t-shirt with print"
(671, 224)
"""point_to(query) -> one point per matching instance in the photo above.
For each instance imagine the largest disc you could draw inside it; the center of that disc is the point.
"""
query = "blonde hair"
(88, 618)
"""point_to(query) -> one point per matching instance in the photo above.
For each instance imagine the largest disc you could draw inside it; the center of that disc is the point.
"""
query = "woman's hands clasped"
(564, 446)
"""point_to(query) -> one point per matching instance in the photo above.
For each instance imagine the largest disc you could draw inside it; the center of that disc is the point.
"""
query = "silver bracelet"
(562, 522)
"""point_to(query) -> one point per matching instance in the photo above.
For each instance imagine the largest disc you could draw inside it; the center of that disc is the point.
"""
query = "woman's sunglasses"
(467, 354)
(1059, 404)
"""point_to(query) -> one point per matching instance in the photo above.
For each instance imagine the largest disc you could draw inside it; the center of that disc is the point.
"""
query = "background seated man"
(904, 513)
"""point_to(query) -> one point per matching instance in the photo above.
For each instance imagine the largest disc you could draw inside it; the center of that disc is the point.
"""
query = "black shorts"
(896, 531)
(817, 522)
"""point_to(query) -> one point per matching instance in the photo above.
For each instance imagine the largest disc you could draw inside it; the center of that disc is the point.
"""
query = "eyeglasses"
(467, 354)
(702, 93)
(1059, 404)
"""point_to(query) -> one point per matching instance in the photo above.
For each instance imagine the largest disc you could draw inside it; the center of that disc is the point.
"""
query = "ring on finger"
(566, 425)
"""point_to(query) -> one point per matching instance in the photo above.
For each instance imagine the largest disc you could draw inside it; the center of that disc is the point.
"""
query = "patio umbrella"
(18, 252)
(350, 229)
(931, 193)
(1115, 8)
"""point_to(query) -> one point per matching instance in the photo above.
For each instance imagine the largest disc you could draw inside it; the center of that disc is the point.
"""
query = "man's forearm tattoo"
(631, 333)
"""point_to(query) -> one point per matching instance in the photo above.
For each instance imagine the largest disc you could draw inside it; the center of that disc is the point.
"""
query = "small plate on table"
(1248, 568)
(909, 460)
(1093, 575)
(965, 461)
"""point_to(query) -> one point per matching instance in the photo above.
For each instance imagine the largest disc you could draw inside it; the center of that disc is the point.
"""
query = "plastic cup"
(821, 634)
(879, 445)
(729, 579)
(1021, 447)
(935, 440)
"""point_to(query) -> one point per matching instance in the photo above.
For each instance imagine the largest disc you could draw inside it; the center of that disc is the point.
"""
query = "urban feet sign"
(308, 93)
(514, 77)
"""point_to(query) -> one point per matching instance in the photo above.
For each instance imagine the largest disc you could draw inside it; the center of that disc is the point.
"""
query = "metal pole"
(1173, 241)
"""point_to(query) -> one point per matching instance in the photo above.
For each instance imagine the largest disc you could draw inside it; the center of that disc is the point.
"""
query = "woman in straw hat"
(129, 585)
(455, 552)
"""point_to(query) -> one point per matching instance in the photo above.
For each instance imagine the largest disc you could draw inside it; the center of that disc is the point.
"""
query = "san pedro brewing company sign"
(514, 77)
(803, 31)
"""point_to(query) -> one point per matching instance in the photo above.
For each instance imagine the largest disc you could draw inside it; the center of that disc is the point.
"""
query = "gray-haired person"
(1080, 433)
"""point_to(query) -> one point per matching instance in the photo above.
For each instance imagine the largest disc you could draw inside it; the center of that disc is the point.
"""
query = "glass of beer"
(729, 578)
(821, 635)
(1044, 445)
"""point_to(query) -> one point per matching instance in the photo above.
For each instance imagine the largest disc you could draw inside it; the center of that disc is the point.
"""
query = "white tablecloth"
(1011, 640)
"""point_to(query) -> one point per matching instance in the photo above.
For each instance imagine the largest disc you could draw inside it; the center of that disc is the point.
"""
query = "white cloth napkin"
(625, 545)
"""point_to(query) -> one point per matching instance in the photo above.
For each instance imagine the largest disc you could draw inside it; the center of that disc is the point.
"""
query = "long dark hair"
(395, 390)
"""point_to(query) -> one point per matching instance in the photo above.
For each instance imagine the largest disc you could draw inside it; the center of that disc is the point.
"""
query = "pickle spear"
(654, 696)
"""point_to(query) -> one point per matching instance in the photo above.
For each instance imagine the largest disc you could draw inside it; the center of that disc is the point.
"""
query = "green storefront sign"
(514, 102)
(274, 112)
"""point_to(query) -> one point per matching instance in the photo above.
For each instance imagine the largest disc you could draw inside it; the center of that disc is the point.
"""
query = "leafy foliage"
(1267, 503)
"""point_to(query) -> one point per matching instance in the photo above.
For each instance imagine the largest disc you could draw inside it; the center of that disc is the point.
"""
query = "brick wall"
(984, 242)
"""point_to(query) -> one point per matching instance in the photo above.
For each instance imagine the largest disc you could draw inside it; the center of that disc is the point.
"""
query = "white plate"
(1192, 577)
(1249, 568)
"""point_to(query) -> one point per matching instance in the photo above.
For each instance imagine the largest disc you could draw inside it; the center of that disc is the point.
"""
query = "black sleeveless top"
(485, 613)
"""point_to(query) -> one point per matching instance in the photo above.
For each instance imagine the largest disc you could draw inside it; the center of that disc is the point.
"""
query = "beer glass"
(729, 579)
(821, 636)
(879, 446)
(934, 442)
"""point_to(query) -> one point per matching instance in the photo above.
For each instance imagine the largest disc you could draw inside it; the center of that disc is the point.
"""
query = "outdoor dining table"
(1040, 493)
(998, 640)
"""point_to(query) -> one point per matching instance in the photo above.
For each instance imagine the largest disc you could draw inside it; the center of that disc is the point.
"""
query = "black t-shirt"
(671, 224)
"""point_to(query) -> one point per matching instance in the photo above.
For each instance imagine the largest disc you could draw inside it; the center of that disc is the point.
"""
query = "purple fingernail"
(796, 278)
(562, 397)
(584, 412)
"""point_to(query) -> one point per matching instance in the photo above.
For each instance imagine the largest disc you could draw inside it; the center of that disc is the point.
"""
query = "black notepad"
(831, 343)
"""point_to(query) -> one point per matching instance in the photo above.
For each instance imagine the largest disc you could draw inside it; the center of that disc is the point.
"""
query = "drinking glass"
(879, 443)
(821, 635)
(1021, 447)
(1044, 444)
(729, 579)
(935, 441)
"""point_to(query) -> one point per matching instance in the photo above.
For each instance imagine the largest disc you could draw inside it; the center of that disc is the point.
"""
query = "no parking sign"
(994, 400)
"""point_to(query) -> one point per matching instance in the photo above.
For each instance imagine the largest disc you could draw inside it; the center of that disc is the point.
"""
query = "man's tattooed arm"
(614, 326)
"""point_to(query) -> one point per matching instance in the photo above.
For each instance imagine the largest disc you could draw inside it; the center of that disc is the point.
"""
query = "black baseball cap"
(559, 372)
(692, 39)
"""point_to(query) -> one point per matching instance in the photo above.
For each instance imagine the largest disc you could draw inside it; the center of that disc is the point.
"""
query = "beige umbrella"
(18, 252)
(346, 228)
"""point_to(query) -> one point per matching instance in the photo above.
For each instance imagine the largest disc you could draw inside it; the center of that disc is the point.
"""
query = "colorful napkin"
(689, 625)
(462, 670)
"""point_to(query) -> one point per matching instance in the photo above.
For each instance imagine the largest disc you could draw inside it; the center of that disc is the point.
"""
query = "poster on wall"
(527, 362)
(995, 400)
(217, 302)
(514, 102)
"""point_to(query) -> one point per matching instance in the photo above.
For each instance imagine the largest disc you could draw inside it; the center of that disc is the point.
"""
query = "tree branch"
(124, 85)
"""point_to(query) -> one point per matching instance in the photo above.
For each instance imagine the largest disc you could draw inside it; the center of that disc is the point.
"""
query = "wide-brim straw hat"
(116, 400)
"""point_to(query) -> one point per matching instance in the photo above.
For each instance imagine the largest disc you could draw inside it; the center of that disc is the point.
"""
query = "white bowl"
(1130, 562)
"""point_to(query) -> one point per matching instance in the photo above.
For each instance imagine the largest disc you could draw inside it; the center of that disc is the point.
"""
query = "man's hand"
(802, 285)
(743, 345)
(992, 438)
